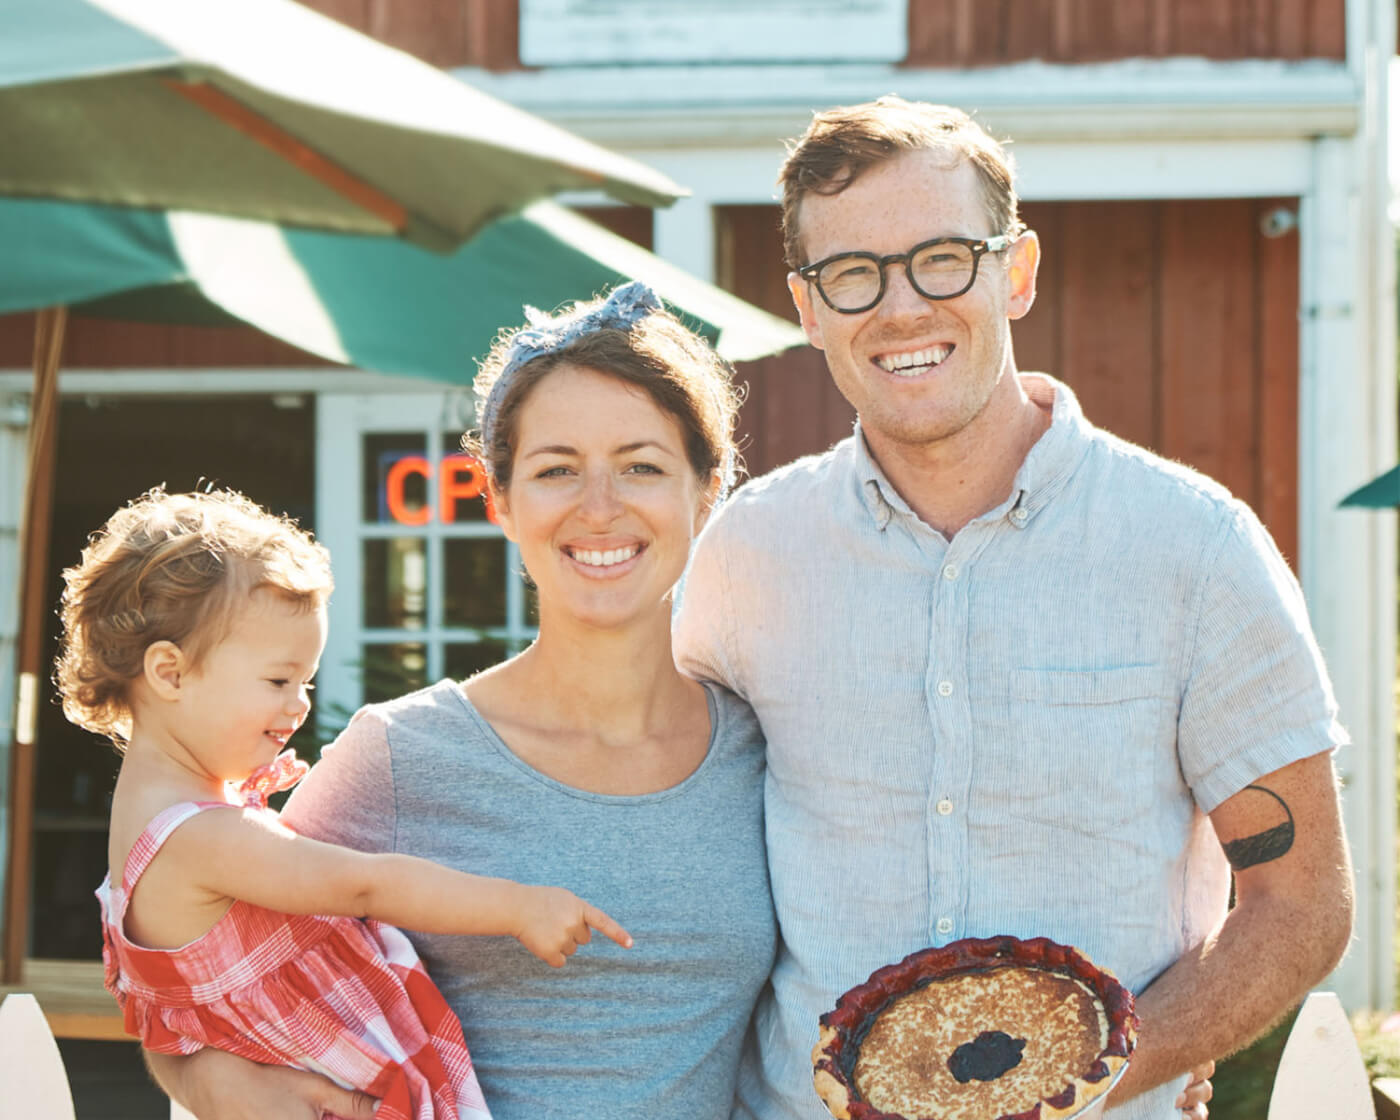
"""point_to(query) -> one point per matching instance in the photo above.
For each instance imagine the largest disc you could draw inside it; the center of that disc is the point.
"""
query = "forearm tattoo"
(1264, 846)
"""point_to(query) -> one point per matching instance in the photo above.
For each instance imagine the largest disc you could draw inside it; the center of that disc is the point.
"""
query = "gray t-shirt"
(653, 1031)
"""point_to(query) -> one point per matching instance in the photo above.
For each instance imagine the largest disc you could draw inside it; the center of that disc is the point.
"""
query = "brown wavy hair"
(675, 367)
(841, 144)
(171, 567)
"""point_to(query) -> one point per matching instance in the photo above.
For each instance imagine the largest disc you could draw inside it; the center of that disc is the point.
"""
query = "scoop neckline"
(500, 746)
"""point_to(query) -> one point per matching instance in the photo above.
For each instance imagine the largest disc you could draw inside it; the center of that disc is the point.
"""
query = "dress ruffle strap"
(283, 772)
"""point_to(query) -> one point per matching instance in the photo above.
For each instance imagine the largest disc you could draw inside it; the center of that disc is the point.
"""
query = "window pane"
(462, 659)
(474, 582)
(392, 669)
(395, 478)
(396, 583)
(461, 484)
(67, 861)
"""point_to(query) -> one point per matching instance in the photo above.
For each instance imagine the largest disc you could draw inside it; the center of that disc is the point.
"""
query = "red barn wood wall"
(943, 33)
(993, 32)
(114, 344)
(1176, 323)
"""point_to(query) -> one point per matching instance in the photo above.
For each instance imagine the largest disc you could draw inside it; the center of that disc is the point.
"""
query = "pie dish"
(981, 1029)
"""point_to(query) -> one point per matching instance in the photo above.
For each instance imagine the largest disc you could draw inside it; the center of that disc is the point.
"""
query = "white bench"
(1320, 1074)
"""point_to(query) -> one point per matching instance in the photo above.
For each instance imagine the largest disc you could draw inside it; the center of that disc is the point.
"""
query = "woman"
(587, 760)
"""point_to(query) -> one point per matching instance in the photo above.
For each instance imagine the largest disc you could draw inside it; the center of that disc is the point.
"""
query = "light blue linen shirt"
(1016, 731)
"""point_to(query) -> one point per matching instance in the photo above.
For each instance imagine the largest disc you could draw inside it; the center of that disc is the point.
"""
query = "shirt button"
(945, 925)
(1019, 515)
(945, 688)
(950, 571)
(944, 807)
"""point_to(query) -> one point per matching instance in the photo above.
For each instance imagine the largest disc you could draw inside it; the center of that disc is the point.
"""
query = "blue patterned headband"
(546, 334)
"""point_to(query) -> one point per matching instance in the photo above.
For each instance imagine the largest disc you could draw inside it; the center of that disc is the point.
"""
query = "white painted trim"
(1347, 557)
(1128, 99)
(562, 32)
(1378, 43)
(1361, 23)
(14, 454)
(1087, 170)
(338, 486)
(684, 235)
(342, 419)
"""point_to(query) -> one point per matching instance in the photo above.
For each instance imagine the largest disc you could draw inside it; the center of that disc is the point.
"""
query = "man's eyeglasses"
(939, 269)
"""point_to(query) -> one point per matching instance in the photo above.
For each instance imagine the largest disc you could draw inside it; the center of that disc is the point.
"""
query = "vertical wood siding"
(447, 33)
(943, 33)
(1176, 323)
(792, 408)
(993, 32)
(114, 344)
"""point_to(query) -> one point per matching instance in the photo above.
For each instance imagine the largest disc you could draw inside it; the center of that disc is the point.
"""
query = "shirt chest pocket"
(1093, 745)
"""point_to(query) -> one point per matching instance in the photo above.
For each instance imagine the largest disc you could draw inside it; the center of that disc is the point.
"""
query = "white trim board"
(1048, 171)
(688, 105)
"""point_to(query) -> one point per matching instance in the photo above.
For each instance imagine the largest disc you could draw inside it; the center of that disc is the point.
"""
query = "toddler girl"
(192, 628)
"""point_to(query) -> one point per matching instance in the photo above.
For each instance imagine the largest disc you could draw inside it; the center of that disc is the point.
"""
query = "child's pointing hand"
(554, 922)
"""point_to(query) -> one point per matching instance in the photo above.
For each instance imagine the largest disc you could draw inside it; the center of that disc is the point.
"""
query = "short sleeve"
(701, 628)
(348, 797)
(1257, 696)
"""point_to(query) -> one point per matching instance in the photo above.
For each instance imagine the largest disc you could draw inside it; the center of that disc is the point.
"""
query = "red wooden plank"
(940, 32)
(960, 33)
(636, 223)
(1016, 30)
(1236, 262)
(749, 247)
(1277, 421)
(16, 340)
(1036, 338)
(1109, 29)
(1290, 27)
(113, 344)
(1208, 344)
(1258, 34)
(493, 34)
(1109, 312)
(1327, 29)
(352, 13)
(1160, 27)
(1207, 28)
(433, 30)
(1064, 28)
(792, 407)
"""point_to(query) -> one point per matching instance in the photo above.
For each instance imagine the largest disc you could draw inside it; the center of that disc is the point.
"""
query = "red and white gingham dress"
(338, 996)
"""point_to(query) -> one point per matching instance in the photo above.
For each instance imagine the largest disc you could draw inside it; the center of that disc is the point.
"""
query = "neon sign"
(459, 478)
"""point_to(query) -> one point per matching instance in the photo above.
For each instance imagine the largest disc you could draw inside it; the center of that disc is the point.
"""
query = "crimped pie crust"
(982, 1029)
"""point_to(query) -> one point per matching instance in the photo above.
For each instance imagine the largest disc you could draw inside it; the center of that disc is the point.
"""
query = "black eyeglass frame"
(979, 247)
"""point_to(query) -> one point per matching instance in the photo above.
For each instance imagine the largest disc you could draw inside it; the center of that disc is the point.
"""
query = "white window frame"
(342, 422)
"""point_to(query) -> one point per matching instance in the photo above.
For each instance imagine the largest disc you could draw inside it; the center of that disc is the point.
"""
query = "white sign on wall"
(612, 32)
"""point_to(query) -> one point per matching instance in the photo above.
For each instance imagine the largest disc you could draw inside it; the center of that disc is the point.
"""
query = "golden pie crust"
(982, 1029)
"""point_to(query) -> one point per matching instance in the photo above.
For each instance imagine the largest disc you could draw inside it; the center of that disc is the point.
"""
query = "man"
(1016, 676)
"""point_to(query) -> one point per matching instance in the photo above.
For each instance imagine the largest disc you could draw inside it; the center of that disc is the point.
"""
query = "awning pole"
(30, 675)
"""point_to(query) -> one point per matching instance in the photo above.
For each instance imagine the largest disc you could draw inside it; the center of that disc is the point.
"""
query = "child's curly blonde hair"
(171, 567)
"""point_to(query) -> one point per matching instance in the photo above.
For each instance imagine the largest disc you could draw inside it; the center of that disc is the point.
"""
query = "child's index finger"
(605, 925)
